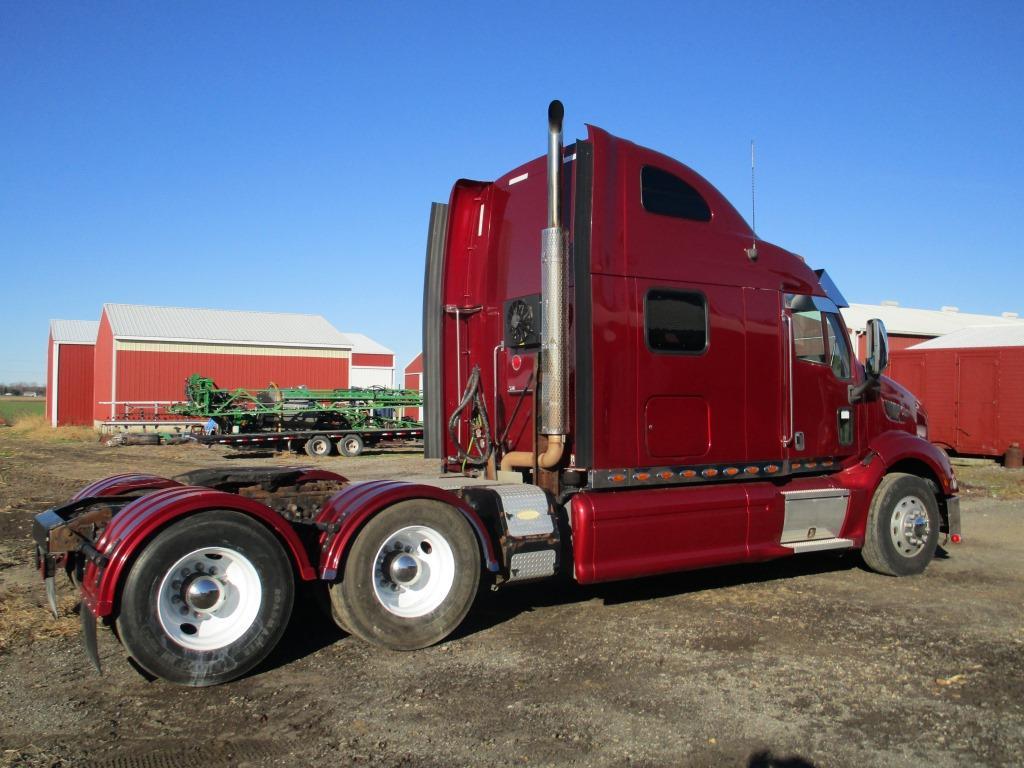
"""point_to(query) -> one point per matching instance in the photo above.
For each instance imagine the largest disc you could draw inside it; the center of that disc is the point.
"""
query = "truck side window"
(677, 321)
(838, 347)
(808, 339)
(663, 193)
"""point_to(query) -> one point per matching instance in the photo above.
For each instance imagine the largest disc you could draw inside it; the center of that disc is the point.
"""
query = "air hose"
(480, 424)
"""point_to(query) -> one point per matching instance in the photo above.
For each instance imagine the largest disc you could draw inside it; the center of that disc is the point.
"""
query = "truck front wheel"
(207, 599)
(903, 526)
(410, 577)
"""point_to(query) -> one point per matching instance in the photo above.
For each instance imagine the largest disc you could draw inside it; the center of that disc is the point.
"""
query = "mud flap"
(89, 635)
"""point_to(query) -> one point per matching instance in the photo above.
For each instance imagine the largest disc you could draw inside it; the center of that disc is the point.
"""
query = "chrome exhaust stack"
(553, 292)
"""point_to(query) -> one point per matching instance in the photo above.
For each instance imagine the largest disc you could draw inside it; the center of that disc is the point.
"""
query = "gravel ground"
(808, 661)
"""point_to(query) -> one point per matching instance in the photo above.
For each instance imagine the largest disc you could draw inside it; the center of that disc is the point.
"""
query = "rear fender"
(140, 520)
(347, 511)
(120, 485)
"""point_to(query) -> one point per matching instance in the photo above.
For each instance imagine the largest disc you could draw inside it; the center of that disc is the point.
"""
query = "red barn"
(971, 383)
(69, 372)
(144, 354)
(414, 380)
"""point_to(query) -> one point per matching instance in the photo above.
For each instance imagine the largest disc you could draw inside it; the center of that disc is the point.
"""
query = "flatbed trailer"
(316, 443)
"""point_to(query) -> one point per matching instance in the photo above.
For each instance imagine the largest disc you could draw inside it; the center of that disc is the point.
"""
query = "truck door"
(820, 425)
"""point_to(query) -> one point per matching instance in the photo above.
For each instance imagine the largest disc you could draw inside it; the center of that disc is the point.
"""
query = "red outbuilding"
(69, 372)
(144, 354)
(971, 383)
(414, 380)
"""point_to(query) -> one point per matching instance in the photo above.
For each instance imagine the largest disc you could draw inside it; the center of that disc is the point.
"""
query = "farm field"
(807, 661)
(14, 408)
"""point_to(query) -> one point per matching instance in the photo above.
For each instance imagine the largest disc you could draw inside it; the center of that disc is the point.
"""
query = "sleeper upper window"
(677, 321)
(663, 193)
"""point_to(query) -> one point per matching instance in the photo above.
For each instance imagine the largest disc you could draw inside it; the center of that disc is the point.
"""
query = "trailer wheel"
(350, 445)
(903, 526)
(319, 445)
(207, 599)
(410, 577)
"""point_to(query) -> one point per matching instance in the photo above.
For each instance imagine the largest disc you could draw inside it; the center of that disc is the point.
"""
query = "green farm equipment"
(277, 409)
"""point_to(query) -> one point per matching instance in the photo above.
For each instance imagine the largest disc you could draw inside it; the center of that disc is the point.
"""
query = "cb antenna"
(752, 250)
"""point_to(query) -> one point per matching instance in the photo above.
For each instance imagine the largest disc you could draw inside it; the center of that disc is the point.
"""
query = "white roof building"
(978, 336)
(74, 331)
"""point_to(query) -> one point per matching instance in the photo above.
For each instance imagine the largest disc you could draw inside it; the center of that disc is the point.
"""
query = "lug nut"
(176, 584)
(184, 610)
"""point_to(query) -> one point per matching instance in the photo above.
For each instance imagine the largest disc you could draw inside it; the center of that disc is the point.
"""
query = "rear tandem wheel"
(207, 599)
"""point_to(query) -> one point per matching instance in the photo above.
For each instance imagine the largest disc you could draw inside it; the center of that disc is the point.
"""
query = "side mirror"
(877, 348)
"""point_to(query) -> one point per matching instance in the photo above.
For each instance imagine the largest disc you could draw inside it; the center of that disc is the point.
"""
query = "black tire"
(140, 622)
(350, 445)
(359, 610)
(893, 543)
(319, 445)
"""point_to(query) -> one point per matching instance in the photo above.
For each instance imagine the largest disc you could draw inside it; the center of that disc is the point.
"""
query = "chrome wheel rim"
(209, 598)
(909, 526)
(413, 572)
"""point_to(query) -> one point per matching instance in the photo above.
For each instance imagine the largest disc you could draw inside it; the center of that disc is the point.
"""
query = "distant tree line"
(22, 388)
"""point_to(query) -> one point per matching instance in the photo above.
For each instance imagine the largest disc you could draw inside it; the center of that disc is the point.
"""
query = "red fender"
(116, 485)
(347, 510)
(885, 451)
(128, 532)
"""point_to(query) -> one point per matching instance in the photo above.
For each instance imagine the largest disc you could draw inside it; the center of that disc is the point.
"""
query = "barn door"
(977, 410)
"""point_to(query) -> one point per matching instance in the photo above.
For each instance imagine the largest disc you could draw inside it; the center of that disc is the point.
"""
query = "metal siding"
(377, 361)
(975, 402)
(151, 375)
(1011, 397)
(103, 359)
(74, 384)
(416, 366)
(978, 403)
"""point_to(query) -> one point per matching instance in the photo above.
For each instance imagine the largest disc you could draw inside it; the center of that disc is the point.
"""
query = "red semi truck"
(646, 389)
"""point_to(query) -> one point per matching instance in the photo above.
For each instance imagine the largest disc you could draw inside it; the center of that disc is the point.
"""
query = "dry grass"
(990, 480)
(23, 620)
(36, 427)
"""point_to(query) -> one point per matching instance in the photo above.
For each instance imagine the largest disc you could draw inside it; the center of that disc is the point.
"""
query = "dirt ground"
(809, 661)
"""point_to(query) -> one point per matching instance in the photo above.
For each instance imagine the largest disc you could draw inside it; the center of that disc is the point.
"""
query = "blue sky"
(283, 157)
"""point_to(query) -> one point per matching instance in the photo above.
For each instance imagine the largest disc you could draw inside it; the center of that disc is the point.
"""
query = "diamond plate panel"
(526, 510)
(532, 565)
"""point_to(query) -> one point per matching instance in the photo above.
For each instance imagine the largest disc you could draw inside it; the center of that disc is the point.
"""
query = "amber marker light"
(642, 476)
(688, 473)
(751, 470)
(731, 471)
(617, 478)
(665, 475)
(710, 473)
(771, 469)
(797, 465)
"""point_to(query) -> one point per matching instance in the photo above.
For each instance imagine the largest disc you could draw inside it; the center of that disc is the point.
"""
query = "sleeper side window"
(668, 195)
(676, 321)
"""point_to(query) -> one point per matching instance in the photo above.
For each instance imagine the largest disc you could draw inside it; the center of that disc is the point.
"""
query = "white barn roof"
(74, 331)
(223, 326)
(365, 345)
(979, 336)
(920, 322)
